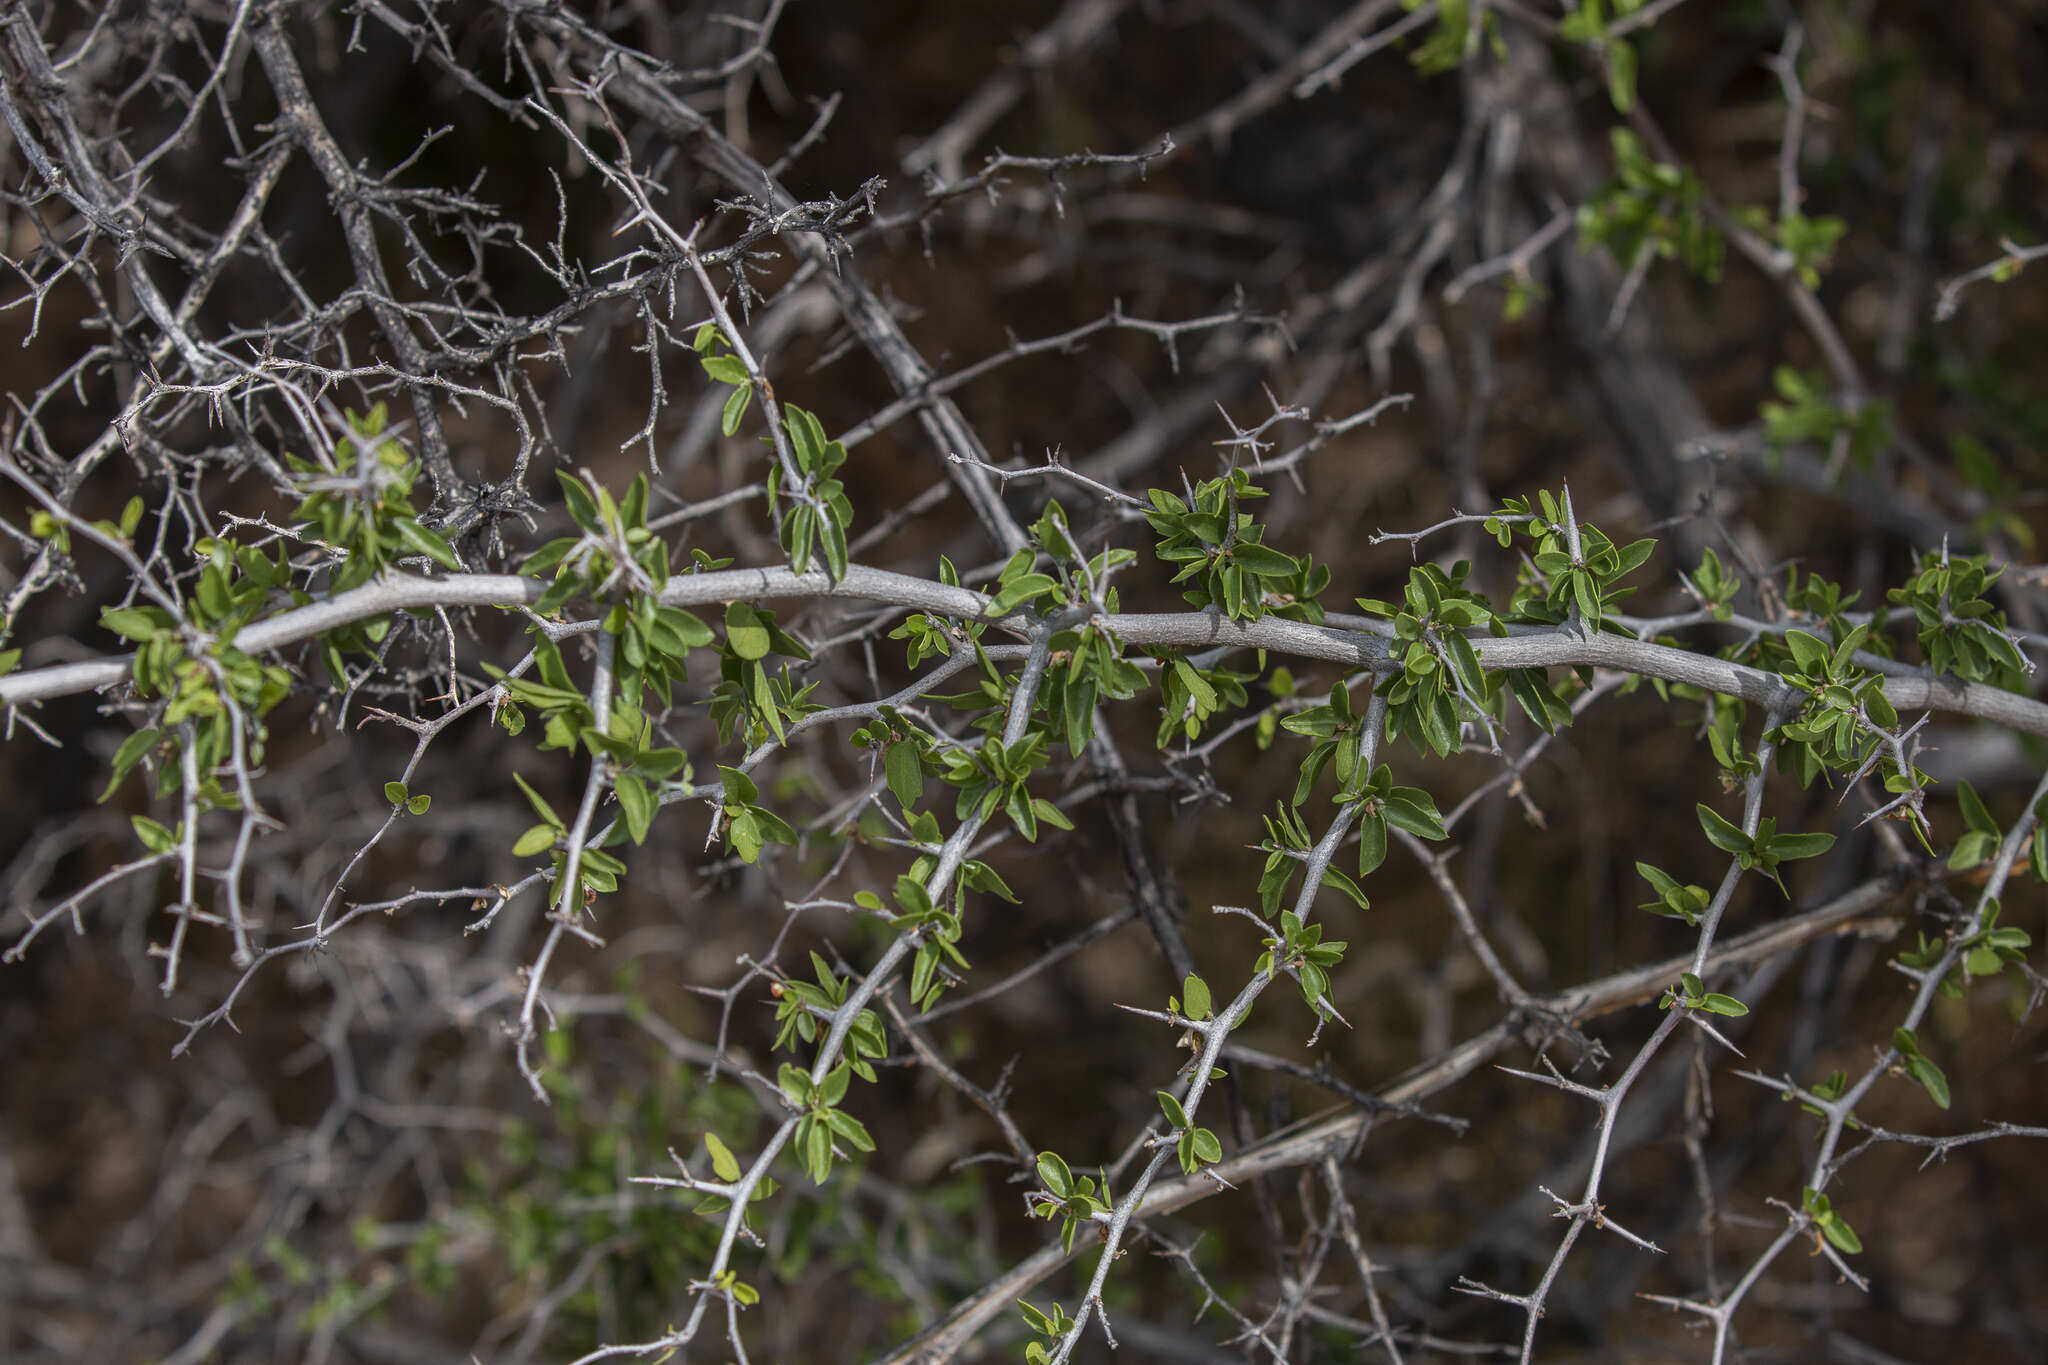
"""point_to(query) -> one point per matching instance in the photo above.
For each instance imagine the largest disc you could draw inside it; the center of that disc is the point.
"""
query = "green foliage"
(1675, 899)
(1842, 725)
(546, 1197)
(359, 503)
(1692, 994)
(620, 565)
(1299, 951)
(994, 777)
(746, 823)
(1715, 587)
(1020, 585)
(1993, 948)
(823, 1125)
(1562, 581)
(1766, 849)
(1337, 733)
(1833, 1088)
(1829, 1223)
(1089, 668)
(1073, 1201)
(213, 695)
(709, 344)
(1981, 840)
(819, 512)
(1051, 1325)
(750, 700)
(1588, 24)
(1440, 685)
(596, 871)
(1286, 844)
(1921, 1068)
(1809, 415)
(1196, 1147)
(1808, 243)
(937, 929)
(1984, 952)
(802, 1008)
(398, 795)
(1221, 549)
(1197, 1006)
(1650, 206)
(1190, 696)
(1382, 804)
(1961, 633)
(906, 754)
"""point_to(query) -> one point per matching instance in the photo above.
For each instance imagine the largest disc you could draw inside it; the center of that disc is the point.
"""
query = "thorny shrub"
(781, 878)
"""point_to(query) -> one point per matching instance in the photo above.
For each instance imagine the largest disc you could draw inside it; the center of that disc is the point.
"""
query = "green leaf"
(395, 793)
(1195, 1003)
(1414, 810)
(1264, 561)
(1342, 882)
(133, 623)
(850, 1130)
(422, 541)
(723, 1163)
(1372, 844)
(154, 836)
(1204, 695)
(535, 839)
(418, 805)
(832, 538)
(738, 787)
(1792, 847)
(745, 632)
(1050, 814)
(1722, 835)
(131, 752)
(1972, 849)
(540, 805)
(637, 805)
(1658, 878)
(1974, 813)
(1054, 1175)
(735, 408)
(905, 772)
(1621, 76)
(582, 508)
(1931, 1078)
(725, 369)
(1808, 653)
(1019, 590)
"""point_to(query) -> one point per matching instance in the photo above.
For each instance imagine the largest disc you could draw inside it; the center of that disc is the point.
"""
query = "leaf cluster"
(1650, 206)
(1764, 850)
(1221, 549)
(822, 1125)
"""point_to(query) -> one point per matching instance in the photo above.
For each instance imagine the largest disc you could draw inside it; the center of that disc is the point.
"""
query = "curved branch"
(1169, 630)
